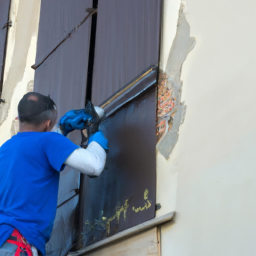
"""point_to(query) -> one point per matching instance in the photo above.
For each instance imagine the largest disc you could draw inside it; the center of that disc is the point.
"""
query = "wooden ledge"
(126, 233)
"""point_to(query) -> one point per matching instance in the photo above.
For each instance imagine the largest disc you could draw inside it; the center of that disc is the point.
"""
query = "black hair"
(35, 108)
(39, 119)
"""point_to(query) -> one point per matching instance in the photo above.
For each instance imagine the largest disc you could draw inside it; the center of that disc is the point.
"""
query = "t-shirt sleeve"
(57, 149)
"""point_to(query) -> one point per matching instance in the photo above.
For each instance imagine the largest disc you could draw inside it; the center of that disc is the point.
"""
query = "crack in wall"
(171, 111)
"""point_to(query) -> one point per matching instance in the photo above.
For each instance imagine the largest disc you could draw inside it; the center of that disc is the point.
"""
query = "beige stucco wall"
(21, 50)
(210, 177)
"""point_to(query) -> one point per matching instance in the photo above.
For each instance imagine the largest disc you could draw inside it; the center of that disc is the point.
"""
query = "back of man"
(30, 163)
(30, 166)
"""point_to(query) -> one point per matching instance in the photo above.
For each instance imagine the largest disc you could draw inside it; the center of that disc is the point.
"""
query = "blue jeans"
(8, 249)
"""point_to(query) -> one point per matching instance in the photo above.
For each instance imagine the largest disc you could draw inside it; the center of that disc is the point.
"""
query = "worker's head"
(37, 112)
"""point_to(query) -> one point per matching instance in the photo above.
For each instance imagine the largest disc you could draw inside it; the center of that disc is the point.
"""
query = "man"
(30, 165)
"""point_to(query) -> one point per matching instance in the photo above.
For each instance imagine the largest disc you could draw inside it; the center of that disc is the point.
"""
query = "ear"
(47, 125)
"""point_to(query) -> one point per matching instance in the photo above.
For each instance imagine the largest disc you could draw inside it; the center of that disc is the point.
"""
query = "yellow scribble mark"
(146, 194)
(146, 206)
(90, 226)
(117, 214)
(105, 222)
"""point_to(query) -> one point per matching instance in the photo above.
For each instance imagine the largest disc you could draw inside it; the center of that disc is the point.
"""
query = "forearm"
(90, 161)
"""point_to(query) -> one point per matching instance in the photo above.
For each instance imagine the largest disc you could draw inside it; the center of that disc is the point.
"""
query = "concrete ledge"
(128, 232)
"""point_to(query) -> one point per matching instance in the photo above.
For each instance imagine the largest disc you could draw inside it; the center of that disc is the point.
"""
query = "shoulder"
(53, 138)
(57, 148)
(11, 141)
(53, 135)
(5, 144)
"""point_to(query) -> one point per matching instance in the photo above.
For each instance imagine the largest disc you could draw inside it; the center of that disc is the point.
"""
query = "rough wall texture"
(21, 49)
(171, 110)
(210, 178)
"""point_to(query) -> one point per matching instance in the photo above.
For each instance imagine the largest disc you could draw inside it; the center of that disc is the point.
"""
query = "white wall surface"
(210, 178)
(20, 56)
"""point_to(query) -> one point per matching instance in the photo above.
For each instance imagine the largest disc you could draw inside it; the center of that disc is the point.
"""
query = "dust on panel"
(57, 19)
(127, 43)
(124, 195)
(4, 14)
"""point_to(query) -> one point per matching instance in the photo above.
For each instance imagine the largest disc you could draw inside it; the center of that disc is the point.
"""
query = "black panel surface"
(4, 14)
(64, 233)
(128, 94)
(57, 19)
(63, 76)
(124, 195)
(127, 43)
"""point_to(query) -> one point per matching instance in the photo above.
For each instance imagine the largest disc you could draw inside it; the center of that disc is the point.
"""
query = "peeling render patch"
(171, 111)
(20, 50)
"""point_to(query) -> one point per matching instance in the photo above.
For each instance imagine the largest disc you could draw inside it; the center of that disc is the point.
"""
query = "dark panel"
(130, 91)
(124, 195)
(64, 230)
(4, 14)
(127, 43)
(57, 19)
(69, 184)
(63, 76)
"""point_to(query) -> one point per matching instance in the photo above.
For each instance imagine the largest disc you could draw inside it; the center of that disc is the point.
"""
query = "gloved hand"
(74, 120)
(100, 139)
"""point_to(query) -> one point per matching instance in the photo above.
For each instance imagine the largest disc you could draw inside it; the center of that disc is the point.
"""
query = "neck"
(30, 128)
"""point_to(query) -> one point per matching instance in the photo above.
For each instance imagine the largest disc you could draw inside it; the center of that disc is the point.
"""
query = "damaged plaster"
(18, 76)
(171, 111)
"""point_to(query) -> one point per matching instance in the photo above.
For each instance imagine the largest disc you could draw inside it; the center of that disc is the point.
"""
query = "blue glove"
(100, 139)
(74, 120)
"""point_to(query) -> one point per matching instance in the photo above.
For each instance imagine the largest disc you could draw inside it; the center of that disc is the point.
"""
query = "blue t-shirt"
(30, 165)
